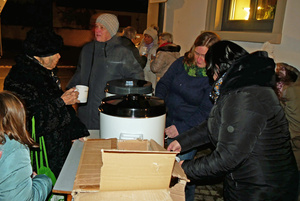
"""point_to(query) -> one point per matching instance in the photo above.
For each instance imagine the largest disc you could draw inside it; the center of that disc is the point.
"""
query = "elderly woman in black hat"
(33, 79)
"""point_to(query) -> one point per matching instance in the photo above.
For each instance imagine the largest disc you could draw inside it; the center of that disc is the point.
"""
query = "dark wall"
(27, 13)
(137, 6)
(39, 12)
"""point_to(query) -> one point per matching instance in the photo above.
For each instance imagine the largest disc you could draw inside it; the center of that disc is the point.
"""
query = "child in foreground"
(17, 180)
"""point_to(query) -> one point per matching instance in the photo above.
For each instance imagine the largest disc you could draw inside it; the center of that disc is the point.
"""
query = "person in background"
(288, 91)
(185, 88)
(128, 35)
(34, 80)
(247, 126)
(17, 180)
(148, 47)
(166, 54)
(102, 60)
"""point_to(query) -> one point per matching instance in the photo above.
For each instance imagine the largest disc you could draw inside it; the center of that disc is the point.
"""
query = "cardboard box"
(112, 169)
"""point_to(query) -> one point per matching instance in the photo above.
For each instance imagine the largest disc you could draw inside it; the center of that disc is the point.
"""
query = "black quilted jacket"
(250, 133)
(55, 121)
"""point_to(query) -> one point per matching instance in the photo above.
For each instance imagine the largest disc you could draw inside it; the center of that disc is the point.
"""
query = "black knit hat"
(42, 42)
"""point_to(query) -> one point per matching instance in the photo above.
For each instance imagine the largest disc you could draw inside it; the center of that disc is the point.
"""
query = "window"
(248, 15)
(246, 20)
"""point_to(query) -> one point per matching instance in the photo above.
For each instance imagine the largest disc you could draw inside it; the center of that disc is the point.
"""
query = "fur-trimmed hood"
(169, 48)
(253, 69)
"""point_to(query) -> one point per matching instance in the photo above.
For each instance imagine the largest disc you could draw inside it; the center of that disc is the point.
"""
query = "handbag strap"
(33, 129)
(43, 151)
(37, 163)
(34, 138)
(43, 147)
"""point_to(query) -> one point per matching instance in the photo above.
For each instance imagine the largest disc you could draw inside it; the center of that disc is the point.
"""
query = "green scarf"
(195, 71)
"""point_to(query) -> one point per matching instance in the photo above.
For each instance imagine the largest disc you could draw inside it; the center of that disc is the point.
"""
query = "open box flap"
(136, 170)
(88, 172)
(156, 147)
(178, 172)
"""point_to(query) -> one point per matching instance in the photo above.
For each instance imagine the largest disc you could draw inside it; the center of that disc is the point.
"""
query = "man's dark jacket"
(100, 62)
(130, 45)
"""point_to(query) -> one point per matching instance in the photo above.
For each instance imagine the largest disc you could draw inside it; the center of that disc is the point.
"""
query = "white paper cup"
(144, 50)
(83, 93)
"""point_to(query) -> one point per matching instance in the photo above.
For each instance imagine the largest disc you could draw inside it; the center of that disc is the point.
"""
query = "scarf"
(164, 44)
(149, 46)
(195, 71)
(215, 93)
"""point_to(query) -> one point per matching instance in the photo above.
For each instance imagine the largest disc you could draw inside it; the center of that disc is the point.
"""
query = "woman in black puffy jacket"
(248, 128)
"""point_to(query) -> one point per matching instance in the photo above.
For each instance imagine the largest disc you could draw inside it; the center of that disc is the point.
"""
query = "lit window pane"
(239, 9)
(265, 9)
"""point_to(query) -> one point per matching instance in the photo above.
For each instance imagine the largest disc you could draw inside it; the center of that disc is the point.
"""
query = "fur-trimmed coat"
(165, 56)
(248, 128)
(54, 120)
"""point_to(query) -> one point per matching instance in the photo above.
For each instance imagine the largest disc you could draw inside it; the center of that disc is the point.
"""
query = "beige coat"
(163, 60)
(292, 111)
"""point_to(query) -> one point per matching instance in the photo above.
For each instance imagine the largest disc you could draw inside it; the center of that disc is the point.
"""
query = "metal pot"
(128, 86)
(133, 116)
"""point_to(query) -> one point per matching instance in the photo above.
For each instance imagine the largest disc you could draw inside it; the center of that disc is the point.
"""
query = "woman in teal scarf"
(185, 88)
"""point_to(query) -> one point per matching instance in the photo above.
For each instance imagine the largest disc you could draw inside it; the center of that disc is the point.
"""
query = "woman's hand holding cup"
(70, 97)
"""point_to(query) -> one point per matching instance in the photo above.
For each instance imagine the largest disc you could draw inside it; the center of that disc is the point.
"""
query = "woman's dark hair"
(221, 56)
(205, 39)
(42, 42)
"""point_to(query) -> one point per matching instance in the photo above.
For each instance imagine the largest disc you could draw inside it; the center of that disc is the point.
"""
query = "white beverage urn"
(133, 116)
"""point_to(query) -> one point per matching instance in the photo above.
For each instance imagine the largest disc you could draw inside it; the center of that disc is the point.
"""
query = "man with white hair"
(100, 61)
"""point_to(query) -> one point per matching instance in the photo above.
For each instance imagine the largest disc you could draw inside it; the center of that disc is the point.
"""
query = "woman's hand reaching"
(174, 146)
(82, 139)
(171, 131)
